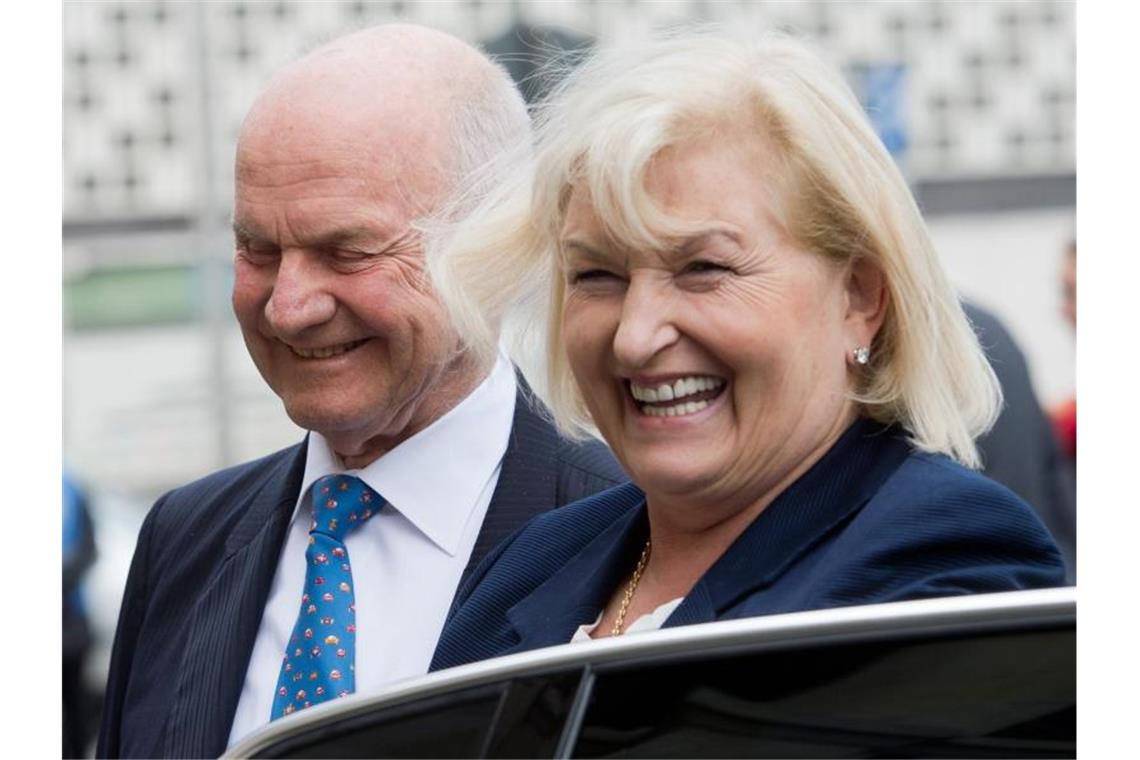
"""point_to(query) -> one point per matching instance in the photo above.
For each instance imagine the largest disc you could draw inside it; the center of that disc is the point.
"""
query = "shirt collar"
(435, 478)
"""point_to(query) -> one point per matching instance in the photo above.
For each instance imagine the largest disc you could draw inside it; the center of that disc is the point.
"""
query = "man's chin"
(351, 432)
(330, 422)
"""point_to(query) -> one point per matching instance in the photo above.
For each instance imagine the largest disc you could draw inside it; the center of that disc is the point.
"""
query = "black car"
(978, 676)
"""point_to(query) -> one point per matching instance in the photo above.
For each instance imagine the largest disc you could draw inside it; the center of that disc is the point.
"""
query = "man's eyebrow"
(328, 240)
(242, 232)
(344, 236)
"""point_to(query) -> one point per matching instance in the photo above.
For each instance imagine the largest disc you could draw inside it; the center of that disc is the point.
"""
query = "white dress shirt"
(407, 559)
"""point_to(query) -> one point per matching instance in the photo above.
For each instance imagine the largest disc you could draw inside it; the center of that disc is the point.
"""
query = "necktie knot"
(341, 503)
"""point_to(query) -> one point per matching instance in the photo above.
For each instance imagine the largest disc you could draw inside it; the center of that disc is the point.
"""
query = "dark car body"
(979, 676)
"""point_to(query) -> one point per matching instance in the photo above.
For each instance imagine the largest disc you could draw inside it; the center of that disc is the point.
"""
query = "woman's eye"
(703, 267)
(592, 275)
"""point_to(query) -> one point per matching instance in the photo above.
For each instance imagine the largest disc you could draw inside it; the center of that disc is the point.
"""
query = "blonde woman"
(745, 302)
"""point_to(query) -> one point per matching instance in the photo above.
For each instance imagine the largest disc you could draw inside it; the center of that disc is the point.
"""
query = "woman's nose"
(647, 326)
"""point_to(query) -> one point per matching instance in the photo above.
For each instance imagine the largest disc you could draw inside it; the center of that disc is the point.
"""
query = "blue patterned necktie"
(320, 659)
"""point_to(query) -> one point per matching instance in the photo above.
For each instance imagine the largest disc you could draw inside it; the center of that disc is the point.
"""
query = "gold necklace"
(632, 587)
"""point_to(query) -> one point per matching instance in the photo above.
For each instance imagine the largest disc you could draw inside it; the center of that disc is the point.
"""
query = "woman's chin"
(672, 476)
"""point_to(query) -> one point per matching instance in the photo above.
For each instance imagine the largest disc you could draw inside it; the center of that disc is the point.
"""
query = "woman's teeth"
(677, 410)
(679, 388)
(680, 391)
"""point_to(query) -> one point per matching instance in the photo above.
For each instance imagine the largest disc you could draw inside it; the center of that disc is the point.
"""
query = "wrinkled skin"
(336, 161)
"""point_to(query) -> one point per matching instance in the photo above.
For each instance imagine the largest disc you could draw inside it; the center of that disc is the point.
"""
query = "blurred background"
(976, 100)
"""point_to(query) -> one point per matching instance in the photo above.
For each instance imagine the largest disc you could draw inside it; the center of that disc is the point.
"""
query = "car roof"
(877, 621)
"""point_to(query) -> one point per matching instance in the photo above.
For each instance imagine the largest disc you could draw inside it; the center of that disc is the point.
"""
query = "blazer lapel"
(837, 486)
(578, 592)
(227, 616)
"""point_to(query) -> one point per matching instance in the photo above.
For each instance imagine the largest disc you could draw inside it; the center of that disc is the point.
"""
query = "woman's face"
(717, 368)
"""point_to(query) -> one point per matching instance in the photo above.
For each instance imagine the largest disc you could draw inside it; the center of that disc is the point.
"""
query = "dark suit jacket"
(872, 521)
(1020, 452)
(205, 560)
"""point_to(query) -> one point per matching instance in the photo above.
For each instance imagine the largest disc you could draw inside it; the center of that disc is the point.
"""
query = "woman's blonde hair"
(842, 196)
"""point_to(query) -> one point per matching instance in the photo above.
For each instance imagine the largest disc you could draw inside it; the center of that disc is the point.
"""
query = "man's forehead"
(322, 128)
(288, 167)
(346, 125)
(309, 188)
(298, 154)
(327, 138)
(393, 57)
(353, 93)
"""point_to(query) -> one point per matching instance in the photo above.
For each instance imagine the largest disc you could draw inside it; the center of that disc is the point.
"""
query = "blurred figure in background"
(1019, 451)
(78, 557)
(1065, 415)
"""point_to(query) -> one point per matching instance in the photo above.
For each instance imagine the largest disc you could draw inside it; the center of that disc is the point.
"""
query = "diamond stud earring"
(862, 355)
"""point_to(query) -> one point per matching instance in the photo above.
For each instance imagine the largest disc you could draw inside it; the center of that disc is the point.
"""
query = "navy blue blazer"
(872, 521)
(204, 563)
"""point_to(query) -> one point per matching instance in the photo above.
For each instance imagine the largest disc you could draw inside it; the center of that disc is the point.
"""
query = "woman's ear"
(867, 298)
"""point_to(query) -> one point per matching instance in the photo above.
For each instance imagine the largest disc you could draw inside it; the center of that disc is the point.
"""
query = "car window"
(533, 715)
(445, 725)
(977, 695)
(521, 717)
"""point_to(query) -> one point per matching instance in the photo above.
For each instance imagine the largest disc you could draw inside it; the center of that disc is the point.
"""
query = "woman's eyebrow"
(693, 244)
(580, 247)
(686, 246)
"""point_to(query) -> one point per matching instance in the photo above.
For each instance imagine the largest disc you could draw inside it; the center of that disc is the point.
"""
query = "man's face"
(329, 282)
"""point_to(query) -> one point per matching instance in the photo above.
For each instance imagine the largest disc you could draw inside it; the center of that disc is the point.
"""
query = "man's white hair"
(839, 194)
(492, 146)
(489, 121)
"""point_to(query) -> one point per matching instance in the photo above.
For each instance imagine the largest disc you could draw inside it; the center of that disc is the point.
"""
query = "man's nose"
(647, 326)
(302, 296)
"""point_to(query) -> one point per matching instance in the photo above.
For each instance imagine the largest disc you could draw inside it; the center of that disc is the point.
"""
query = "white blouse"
(650, 621)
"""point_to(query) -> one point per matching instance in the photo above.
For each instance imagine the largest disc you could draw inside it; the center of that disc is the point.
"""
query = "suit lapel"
(578, 592)
(226, 618)
(527, 484)
(826, 496)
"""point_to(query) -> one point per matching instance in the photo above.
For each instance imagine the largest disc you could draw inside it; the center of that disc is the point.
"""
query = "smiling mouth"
(682, 396)
(327, 352)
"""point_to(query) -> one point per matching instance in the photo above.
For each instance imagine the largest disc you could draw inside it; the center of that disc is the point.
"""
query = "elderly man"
(242, 604)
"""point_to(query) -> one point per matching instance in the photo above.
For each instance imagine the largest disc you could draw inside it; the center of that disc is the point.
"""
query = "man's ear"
(867, 299)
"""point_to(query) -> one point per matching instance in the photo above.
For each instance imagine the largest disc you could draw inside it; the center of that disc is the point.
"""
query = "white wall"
(1010, 264)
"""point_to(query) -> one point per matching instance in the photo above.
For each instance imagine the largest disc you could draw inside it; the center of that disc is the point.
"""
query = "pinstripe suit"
(872, 521)
(205, 561)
